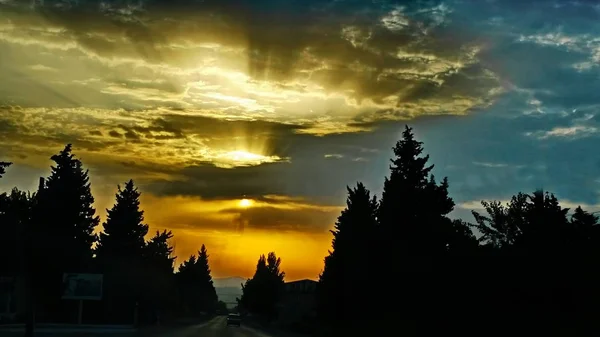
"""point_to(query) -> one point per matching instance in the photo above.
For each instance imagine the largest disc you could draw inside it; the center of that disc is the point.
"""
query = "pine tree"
(159, 281)
(205, 283)
(195, 283)
(341, 288)
(65, 214)
(159, 253)
(415, 234)
(62, 229)
(124, 230)
(413, 206)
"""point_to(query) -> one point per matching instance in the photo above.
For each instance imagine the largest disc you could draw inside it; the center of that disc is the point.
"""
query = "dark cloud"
(283, 40)
(309, 174)
(273, 218)
(115, 134)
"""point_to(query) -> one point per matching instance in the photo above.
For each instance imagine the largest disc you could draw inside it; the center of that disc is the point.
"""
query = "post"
(80, 313)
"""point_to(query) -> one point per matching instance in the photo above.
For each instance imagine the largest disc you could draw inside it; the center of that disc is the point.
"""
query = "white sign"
(82, 286)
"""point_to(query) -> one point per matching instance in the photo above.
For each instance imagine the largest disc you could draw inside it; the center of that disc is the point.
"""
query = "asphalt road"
(217, 327)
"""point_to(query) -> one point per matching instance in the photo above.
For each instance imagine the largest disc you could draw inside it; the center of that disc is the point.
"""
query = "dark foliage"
(341, 288)
(528, 266)
(262, 292)
(52, 232)
(194, 280)
(531, 269)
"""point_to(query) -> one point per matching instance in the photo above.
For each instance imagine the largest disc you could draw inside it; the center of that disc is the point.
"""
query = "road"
(217, 327)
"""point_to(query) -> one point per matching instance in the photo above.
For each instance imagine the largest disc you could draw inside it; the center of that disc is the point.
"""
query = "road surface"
(217, 327)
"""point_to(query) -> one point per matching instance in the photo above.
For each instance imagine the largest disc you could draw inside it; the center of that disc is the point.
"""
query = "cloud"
(316, 63)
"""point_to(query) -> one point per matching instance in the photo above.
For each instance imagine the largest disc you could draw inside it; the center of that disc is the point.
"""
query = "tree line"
(527, 266)
(53, 231)
(400, 263)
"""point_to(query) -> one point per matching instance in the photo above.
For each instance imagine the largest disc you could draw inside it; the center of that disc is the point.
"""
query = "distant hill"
(229, 282)
(228, 289)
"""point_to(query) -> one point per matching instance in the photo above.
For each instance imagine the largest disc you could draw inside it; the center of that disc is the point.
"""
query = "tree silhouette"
(413, 206)
(262, 292)
(124, 230)
(15, 216)
(538, 261)
(531, 267)
(159, 282)
(196, 285)
(63, 223)
(120, 251)
(159, 253)
(415, 236)
(3, 166)
(67, 208)
(209, 294)
(341, 289)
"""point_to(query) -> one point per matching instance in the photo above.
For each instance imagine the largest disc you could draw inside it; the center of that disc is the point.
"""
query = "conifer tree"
(124, 230)
(341, 288)
(120, 251)
(66, 215)
(413, 206)
(62, 229)
(159, 252)
(205, 283)
(195, 282)
(159, 281)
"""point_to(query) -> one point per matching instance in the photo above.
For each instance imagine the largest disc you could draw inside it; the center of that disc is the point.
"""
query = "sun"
(245, 203)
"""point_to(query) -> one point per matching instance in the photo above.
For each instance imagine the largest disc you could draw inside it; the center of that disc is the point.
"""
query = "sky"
(205, 103)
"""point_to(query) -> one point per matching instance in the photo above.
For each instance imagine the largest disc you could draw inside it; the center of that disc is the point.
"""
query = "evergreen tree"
(585, 225)
(341, 288)
(159, 252)
(159, 283)
(416, 237)
(196, 285)
(66, 215)
(205, 282)
(62, 229)
(413, 206)
(120, 252)
(124, 230)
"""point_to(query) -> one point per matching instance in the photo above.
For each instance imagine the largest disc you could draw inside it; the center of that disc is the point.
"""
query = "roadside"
(85, 330)
(272, 329)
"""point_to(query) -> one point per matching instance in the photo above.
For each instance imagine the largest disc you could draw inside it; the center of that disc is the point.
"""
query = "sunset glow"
(242, 127)
(245, 203)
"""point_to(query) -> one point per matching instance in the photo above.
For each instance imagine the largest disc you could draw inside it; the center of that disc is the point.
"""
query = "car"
(234, 319)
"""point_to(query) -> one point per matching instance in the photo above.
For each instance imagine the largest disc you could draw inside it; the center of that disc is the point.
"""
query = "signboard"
(82, 286)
